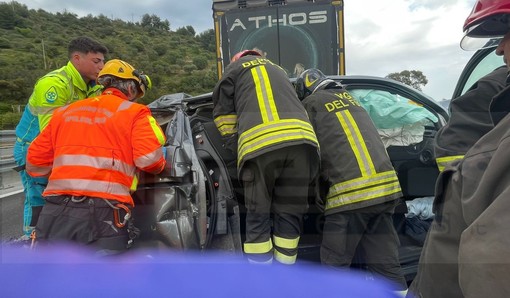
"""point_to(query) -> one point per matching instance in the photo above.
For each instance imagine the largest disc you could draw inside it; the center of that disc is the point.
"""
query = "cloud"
(390, 36)
(381, 36)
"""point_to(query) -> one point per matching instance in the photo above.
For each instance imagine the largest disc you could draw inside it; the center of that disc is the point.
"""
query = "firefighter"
(358, 185)
(91, 150)
(466, 253)
(260, 117)
(76, 80)
(469, 118)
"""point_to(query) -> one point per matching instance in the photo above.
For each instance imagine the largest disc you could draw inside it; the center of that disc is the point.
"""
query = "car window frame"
(480, 64)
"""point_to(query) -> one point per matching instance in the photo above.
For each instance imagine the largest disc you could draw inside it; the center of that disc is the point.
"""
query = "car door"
(480, 64)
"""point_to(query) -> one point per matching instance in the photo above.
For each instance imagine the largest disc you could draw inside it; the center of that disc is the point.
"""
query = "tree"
(208, 40)
(186, 31)
(413, 78)
(153, 21)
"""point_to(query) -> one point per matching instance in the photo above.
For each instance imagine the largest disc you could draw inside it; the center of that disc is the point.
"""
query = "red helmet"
(488, 19)
(244, 53)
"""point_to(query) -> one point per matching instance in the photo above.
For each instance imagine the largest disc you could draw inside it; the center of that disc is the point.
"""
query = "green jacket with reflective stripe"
(354, 162)
(256, 100)
(57, 88)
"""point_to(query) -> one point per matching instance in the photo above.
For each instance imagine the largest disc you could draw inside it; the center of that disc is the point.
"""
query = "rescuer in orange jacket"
(256, 107)
(91, 150)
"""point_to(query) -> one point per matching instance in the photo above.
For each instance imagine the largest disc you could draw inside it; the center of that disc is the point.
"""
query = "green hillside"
(34, 42)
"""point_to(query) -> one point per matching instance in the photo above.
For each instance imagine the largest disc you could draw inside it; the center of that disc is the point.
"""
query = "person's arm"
(148, 139)
(40, 154)
(224, 112)
(50, 93)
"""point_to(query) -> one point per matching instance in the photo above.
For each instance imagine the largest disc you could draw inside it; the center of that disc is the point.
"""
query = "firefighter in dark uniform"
(466, 253)
(258, 113)
(469, 118)
(359, 186)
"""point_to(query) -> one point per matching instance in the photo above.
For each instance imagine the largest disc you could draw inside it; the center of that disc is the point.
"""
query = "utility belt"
(121, 212)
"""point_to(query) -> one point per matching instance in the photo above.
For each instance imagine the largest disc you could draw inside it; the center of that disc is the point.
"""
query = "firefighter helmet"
(245, 53)
(123, 70)
(488, 19)
(310, 81)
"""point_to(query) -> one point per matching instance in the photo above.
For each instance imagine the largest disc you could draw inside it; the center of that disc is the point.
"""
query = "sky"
(381, 37)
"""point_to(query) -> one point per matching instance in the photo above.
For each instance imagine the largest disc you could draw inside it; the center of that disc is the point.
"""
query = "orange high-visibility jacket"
(95, 146)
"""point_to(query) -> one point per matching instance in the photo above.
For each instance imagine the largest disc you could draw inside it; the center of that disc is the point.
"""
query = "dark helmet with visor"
(310, 81)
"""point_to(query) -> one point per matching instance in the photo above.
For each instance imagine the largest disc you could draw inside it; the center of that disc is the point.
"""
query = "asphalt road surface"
(12, 216)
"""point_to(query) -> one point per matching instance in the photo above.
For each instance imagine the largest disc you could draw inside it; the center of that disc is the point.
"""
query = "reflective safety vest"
(256, 100)
(95, 146)
(57, 88)
(354, 161)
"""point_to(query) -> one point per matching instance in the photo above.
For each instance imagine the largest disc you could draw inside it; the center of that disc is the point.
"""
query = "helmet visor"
(481, 35)
(477, 43)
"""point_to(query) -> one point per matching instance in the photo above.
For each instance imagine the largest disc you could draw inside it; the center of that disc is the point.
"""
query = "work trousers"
(276, 186)
(83, 220)
(33, 188)
(368, 231)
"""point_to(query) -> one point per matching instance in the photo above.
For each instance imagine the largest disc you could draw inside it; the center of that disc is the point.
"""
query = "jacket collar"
(116, 92)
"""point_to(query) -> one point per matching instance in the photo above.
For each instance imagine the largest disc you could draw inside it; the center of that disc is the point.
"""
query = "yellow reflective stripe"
(285, 242)
(94, 162)
(264, 128)
(157, 130)
(271, 133)
(442, 162)
(134, 184)
(284, 259)
(20, 140)
(264, 92)
(362, 195)
(258, 248)
(356, 142)
(272, 137)
(275, 138)
(87, 185)
(362, 182)
(226, 124)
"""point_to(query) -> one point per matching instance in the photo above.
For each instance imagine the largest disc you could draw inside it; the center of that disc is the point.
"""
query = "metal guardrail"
(7, 136)
(7, 139)
(7, 165)
(9, 179)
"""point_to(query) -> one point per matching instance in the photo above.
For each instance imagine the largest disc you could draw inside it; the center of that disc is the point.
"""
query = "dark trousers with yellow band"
(369, 231)
(276, 186)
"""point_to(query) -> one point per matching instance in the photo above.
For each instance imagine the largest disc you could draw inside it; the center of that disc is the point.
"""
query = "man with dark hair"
(74, 81)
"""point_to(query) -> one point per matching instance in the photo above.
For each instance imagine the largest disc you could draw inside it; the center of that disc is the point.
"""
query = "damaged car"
(200, 205)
